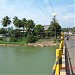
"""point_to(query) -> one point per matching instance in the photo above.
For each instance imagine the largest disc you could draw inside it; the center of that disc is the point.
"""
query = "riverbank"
(40, 43)
(43, 44)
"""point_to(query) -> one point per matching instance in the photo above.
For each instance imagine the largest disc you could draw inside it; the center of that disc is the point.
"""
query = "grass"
(2, 42)
(23, 41)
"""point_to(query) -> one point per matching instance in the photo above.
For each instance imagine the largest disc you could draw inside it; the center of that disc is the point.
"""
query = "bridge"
(65, 57)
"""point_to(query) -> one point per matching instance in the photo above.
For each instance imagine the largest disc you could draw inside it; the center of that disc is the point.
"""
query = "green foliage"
(24, 22)
(31, 39)
(17, 33)
(30, 33)
(13, 39)
(2, 31)
(17, 22)
(9, 30)
(6, 21)
(65, 29)
(30, 24)
(48, 34)
(73, 30)
(54, 27)
(38, 30)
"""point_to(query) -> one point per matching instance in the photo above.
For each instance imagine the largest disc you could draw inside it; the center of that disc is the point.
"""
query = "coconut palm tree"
(30, 26)
(16, 22)
(24, 23)
(6, 21)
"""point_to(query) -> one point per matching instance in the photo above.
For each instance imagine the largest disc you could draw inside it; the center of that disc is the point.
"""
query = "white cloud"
(69, 17)
(71, 6)
(30, 10)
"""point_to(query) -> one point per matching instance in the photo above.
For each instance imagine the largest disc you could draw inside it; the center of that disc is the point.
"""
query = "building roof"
(46, 27)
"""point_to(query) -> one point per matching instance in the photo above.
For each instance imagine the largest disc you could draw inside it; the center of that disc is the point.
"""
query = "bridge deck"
(71, 49)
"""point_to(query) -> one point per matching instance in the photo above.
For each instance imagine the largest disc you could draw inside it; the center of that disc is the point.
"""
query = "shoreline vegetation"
(40, 43)
(28, 33)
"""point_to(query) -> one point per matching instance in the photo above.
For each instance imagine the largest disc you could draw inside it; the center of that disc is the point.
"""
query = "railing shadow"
(68, 64)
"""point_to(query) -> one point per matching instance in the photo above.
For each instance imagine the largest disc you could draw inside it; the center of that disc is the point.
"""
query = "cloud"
(30, 10)
(22, 8)
(69, 17)
(71, 6)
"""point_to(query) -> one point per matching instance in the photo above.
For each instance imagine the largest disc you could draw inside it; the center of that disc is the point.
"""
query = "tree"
(16, 33)
(31, 39)
(30, 26)
(6, 21)
(17, 22)
(54, 28)
(65, 29)
(24, 23)
(20, 23)
(73, 29)
(2, 31)
(38, 30)
(10, 29)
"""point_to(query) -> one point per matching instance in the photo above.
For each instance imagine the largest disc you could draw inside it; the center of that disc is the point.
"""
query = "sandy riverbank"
(40, 44)
(43, 44)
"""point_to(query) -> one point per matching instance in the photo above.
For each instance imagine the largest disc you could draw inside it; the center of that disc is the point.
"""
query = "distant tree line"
(69, 30)
(27, 30)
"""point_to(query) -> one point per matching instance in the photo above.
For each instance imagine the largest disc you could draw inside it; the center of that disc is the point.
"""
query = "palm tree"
(19, 23)
(16, 22)
(30, 26)
(6, 21)
(24, 23)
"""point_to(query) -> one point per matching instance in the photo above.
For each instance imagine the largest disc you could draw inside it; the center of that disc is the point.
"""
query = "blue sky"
(41, 14)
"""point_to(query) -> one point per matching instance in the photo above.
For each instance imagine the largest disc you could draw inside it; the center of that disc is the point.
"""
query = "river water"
(26, 60)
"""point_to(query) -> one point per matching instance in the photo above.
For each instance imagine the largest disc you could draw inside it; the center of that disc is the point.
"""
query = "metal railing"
(58, 62)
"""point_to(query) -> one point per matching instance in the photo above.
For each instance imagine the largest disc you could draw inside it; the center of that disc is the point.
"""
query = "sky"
(39, 10)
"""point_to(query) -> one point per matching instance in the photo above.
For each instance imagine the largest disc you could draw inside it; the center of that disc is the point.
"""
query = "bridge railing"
(58, 62)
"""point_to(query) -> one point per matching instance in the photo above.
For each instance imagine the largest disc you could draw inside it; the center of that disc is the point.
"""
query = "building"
(0, 35)
(46, 27)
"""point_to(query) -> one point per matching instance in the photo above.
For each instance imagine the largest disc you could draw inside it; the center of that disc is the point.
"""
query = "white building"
(1, 35)
(46, 27)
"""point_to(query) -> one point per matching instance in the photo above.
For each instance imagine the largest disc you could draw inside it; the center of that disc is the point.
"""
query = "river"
(26, 60)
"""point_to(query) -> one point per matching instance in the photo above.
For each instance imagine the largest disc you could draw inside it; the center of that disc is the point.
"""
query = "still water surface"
(26, 60)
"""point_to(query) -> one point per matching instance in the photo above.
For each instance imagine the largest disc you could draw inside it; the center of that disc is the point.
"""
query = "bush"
(13, 39)
(31, 39)
(0, 38)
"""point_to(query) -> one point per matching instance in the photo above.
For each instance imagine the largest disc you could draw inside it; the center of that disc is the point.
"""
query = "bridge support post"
(59, 61)
(61, 45)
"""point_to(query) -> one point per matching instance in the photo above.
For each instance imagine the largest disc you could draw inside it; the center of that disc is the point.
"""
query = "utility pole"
(55, 32)
(54, 25)
(54, 15)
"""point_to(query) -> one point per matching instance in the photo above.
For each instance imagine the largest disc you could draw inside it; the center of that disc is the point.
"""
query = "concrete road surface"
(71, 49)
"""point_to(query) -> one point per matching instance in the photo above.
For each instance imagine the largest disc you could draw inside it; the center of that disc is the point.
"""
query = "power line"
(41, 9)
(51, 6)
(44, 7)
